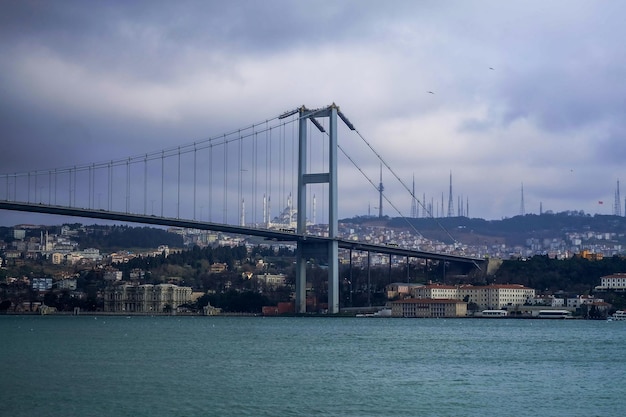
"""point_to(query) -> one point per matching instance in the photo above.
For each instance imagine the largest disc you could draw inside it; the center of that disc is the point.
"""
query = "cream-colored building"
(436, 291)
(613, 282)
(272, 280)
(497, 296)
(428, 307)
(488, 297)
(145, 298)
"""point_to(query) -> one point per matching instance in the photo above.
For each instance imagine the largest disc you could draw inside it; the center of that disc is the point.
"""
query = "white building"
(272, 280)
(547, 300)
(583, 300)
(613, 282)
(145, 298)
(487, 297)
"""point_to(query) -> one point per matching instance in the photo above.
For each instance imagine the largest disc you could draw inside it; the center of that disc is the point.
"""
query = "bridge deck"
(277, 235)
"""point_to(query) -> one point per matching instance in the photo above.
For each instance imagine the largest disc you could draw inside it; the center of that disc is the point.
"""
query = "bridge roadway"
(277, 235)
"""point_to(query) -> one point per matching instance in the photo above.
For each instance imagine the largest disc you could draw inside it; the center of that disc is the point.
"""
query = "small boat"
(619, 315)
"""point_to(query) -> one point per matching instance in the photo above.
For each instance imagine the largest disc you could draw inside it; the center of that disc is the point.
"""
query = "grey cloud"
(558, 72)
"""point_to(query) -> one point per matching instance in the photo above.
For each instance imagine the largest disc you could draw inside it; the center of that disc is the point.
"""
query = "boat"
(619, 315)
(554, 314)
(494, 313)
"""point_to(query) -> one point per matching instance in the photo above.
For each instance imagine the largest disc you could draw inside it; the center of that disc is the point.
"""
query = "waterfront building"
(613, 282)
(145, 298)
(428, 307)
(487, 297)
(497, 296)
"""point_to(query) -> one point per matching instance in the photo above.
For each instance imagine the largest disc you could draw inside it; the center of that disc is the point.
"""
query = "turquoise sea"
(308, 366)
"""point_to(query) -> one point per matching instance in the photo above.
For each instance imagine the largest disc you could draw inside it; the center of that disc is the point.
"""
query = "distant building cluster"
(437, 300)
(129, 291)
(439, 296)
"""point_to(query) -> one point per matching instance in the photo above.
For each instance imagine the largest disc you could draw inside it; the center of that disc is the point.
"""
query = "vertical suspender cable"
(110, 191)
(55, 186)
(254, 179)
(162, 179)
(145, 185)
(210, 182)
(224, 203)
(128, 185)
(70, 187)
(92, 186)
(239, 178)
(178, 201)
(194, 180)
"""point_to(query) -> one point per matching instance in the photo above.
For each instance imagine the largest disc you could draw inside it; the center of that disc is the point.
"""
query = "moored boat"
(619, 315)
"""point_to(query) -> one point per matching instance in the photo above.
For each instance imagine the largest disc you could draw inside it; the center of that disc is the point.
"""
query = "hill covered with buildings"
(562, 256)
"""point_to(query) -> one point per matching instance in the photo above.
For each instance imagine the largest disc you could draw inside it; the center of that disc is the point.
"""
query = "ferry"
(494, 313)
(554, 314)
(619, 315)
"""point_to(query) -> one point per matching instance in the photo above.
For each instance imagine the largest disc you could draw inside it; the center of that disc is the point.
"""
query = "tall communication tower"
(414, 210)
(450, 201)
(380, 194)
(522, 208)
(617, 210)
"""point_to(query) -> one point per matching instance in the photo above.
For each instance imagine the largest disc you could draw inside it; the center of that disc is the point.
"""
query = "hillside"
(510, 231)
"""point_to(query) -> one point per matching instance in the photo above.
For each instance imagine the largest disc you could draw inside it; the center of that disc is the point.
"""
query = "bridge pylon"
(314, 249)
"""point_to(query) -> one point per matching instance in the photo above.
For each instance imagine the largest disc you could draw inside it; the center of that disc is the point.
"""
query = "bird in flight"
(491, 68)
(430, 92)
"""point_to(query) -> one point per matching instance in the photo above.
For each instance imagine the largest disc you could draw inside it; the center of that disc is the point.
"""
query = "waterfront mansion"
(615, 282)
(146, 299)
(486, 297)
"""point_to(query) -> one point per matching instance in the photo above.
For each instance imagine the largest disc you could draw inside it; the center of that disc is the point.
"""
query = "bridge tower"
(310, 248)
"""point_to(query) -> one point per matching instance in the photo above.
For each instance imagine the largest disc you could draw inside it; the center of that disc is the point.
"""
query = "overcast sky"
(498, 93)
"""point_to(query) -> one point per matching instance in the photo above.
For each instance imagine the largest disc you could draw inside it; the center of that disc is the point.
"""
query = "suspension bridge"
(263, 180)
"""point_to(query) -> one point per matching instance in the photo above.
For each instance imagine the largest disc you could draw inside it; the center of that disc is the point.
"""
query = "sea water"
(309, 366)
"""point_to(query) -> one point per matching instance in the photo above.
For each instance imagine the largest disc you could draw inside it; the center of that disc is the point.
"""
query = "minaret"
(264, 210)
(442, 209)
(380, 194)
(450, 202)
(617, 210)
(522, 210)
(314, 209)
